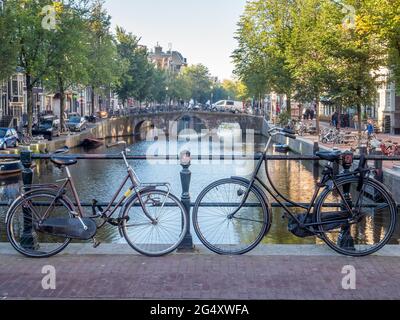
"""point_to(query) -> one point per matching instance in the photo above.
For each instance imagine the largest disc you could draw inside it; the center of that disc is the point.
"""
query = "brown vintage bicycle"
(44, 220)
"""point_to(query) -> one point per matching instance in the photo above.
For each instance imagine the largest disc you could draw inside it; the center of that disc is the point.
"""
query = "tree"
(260, 60)
(198, 80)
(138, 77)
(70, 51)
(380, 18)
(31, 41)
(158, 90)
(104, 65)
(8, 50)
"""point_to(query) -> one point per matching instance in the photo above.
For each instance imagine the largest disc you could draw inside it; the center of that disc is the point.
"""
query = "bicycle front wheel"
(23, 230)
(370, 223)
(224, 234)
(162, 235)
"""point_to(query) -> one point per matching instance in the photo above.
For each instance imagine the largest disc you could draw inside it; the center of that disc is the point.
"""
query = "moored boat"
(10, 167)
(92, 143)
(283, 148)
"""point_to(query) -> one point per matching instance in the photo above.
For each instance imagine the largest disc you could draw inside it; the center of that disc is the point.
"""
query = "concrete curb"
(261, 250)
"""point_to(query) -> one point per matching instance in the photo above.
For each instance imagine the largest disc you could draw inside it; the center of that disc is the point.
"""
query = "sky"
(202, 30)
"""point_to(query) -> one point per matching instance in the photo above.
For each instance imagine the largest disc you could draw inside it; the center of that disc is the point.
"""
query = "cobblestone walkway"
(193, 276)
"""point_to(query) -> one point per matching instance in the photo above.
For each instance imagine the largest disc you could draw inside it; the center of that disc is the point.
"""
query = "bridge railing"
(184, 160)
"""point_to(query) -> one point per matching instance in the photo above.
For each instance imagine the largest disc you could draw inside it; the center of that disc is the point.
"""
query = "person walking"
(312, 114)
(370, 128)
(335, 119)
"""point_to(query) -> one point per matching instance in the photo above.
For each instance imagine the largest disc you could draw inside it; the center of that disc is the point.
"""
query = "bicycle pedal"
(96, 243)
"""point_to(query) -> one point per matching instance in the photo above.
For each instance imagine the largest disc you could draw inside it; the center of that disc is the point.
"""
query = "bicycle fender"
(128, 201)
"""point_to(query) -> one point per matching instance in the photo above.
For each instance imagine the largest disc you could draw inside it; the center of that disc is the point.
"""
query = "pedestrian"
(307, 114)
(335, 119)
(355, 120)
(312, 114)
(370, 128)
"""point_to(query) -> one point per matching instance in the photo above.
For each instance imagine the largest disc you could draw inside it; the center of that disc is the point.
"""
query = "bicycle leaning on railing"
(44, 220)
(351, 212)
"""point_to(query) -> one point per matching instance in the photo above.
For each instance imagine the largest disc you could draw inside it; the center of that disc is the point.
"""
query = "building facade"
(170, 61)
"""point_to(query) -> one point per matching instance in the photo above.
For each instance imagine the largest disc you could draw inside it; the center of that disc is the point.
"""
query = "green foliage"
(284, 118)
(104, 66)
(303, 49)
(198, 79)
(8, 51)
(138, 78)
(70, 51)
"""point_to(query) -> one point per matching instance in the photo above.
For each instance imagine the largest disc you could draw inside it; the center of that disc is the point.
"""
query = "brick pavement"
(195, 276)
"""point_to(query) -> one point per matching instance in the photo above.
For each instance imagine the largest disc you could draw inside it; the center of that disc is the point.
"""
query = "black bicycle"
(351, 212)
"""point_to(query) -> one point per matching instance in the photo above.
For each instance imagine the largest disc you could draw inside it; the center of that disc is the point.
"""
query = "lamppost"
(166, 89)
(212, 96)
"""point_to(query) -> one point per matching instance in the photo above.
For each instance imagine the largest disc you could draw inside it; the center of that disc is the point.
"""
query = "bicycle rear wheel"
(227, 235)
(369, 228)
(165, 234)
(23, 231)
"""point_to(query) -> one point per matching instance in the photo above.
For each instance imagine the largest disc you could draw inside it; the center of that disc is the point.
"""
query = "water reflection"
(100, 179)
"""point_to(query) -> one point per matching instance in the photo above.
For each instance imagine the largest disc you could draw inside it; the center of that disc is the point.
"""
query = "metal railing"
(184, 160)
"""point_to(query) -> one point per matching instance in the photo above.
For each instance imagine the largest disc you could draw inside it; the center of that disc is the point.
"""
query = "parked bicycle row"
(352, 212)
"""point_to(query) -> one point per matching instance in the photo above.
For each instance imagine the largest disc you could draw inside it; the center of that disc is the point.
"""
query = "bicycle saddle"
(61, 162)
(330, 156)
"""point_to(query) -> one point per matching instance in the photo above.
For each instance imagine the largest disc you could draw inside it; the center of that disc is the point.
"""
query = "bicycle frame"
(277, 195)
(134, 190)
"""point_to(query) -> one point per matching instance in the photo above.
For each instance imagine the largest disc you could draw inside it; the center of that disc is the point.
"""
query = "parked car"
(48, 126)
(228, 106)
(91, 119)
(8, 138)
(77, 123)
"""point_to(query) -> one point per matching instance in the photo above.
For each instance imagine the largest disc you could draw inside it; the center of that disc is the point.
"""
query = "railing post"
(379, 166)
(336, 165)
(186, 175)
(316, 162)
(29, 236)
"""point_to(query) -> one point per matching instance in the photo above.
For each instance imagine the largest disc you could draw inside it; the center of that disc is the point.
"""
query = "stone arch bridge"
(207, 120)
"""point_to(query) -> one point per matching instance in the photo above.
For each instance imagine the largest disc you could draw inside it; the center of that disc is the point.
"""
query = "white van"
(228, 106)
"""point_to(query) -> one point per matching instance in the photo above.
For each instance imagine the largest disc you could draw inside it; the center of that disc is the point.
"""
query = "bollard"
(316, 163)
(336, 165)
(29, 236)
(185, 161)
(378, 166)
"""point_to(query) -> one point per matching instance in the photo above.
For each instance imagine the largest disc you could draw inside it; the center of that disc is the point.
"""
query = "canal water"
(99, 179)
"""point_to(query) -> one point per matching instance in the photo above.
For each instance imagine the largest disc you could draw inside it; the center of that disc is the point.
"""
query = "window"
(388, 102)
(17, 88)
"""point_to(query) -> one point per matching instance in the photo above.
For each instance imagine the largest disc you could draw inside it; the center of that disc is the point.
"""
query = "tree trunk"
(359, 111)
(340, 117)
(92, 97)
(62, 103)
(317, 112)
(289, 105)
(29, 92)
